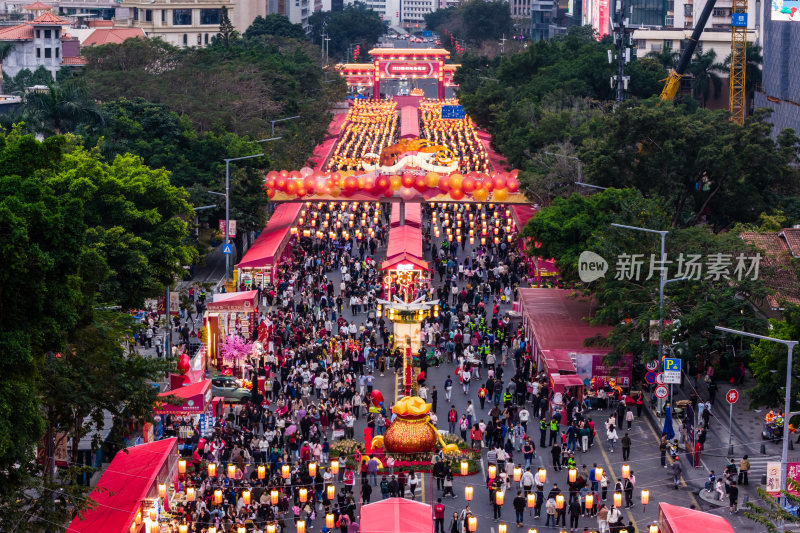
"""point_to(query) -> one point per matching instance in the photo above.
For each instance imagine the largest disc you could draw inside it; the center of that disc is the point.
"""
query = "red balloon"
(468, 184)
(456, 194)
(381, 184)
(281, 182)
(308, 183)
(284, 173)
(444, 183)
(513, 184)
(500, 182)
(295, 175)
(419, 183)
(269, 183)
(407, 180)
(270, 193)
(376, 397)
(291, 187)
(272, 174)
(183, 363)
(336, 180)
(350, 184)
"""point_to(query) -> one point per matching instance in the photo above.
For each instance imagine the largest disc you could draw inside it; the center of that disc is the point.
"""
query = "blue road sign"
(427, 33)
(672, 370)
(453, 111)
(227, 249)
(650, 377)
(739, 20)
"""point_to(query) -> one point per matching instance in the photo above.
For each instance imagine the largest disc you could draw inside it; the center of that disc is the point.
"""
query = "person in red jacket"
(438, 516)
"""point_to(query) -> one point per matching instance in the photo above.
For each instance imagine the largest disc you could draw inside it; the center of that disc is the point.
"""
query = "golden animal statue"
(389, 154)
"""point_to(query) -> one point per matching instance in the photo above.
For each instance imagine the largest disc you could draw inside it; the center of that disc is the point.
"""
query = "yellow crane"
(737, 99)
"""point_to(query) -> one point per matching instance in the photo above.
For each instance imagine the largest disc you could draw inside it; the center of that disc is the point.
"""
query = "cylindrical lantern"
(626, 471)
(532, 530)
(212, 470)
(517, 473)
(273, 497)
(301, 526)
(153, 515)
(617, 499)
(492, 471)
(589, 501)
(335, 467)
(623, 531)
(559, 501)
(154, 527)
(468, 493)
(181, 466)
(598, 473)
(241, 529)
(329, 521)
(331, 492)
(645, 496)
(217, 497)
(464, 468)
(312, 469)
(271, 528)
(190, 494)
(531, 500)
(162, 490)
(183, 528)
(303, 495)
(502, 528)
(246, 497)
(212, 529)
(472, 524)
(499, 497)
(285, 471)
(572, 475)
(542, 475)
(262, 471)
(231, 471)
(652, 529)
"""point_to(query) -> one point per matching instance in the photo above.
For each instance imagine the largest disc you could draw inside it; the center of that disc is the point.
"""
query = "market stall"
(396, 515)
(195, 407)
(259, 264)
(676, 519)
(127, 498)
(229, 313)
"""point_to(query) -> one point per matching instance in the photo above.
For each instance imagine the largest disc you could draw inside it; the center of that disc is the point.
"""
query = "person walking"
(626, 446)
(744, 468)
(555, 452)
(733, 497)
(438, 517)
(542, 433)
(628, 487)
(519, 508)
(662, 447)
(452, 418)
(677, 468)
(482, 392)
(611, 435)
(554, 433)
(629, 417)
(602, 519)
(574, 513)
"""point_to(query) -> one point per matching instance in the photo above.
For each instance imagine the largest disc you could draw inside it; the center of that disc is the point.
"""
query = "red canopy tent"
(676, 519)
(404, 239)
(269, 246)
(242, 302)
(409, 122)
(196, 396)
(396, 515)
(131, 479)
(413, 215)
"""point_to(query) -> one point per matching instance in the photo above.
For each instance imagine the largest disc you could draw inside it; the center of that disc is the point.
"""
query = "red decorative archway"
(399, 63)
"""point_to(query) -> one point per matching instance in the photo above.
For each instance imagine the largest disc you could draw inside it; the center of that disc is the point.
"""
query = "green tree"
(768, 362)
(485, 20)
(227, 33)
(25, 78)
(274, 24)
(355, 24)
(5, 50)
(706, 82)
(667, 57)
(771, 513)
(442, 19)
(60, 108)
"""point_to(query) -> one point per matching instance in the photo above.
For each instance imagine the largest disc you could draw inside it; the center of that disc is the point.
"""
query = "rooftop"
(112, 35)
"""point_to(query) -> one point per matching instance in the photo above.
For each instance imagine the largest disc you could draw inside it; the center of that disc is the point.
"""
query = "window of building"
(210, 16)
(163, 16)
(687, 10)
(38, 34)
(718, 13)
(185, 39)
(148, 15)
(182, 17)
(47, 34)
(58, 52)
(206, 38)
(668, 44)
(38, 52)
(670, 6)
(199, 39)
(48, 53)
(669, 21)
(135, 13)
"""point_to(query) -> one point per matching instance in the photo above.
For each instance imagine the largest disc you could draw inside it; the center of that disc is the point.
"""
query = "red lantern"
(500, 182)
(468, 184)
(308, 183)
(377, 397)
(456, 194)
(381, 184)
(350, 184)
(513, 184)
(295, 175)
(420, 184)
(280, 182)
(291, 187)
(407, 180)
(444, 183)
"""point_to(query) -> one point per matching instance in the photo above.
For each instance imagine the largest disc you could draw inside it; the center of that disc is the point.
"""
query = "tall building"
(389, 10)
(181, 23)
(780, 87)
(521, 16)
(38, 43)
(412, 13)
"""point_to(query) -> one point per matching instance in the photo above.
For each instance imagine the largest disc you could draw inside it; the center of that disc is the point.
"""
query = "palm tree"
(666, 56)
(752, 74)
(62, 105)
(703, 68)
(5, 51)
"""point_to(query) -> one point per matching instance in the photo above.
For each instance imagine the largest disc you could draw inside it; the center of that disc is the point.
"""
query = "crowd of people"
(369, 127)
(459, 135)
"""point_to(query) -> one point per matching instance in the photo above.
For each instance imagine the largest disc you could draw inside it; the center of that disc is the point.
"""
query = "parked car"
(226, 387)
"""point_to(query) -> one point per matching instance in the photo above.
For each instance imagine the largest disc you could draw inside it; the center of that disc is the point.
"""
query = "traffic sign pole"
(732, 396)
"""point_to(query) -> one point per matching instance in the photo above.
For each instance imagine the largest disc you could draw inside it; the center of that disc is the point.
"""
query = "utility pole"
(503, 44)
(621, 38)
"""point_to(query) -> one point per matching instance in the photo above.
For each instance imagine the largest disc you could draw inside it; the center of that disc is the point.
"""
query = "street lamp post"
(227, 196)
(580, 172)
(662, 282)
(787, 414)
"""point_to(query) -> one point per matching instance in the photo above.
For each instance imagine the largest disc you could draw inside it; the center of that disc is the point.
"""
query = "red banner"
(409, 69)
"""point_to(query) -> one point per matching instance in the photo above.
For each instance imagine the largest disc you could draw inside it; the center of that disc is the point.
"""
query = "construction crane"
(737, 98)
(674, 79)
